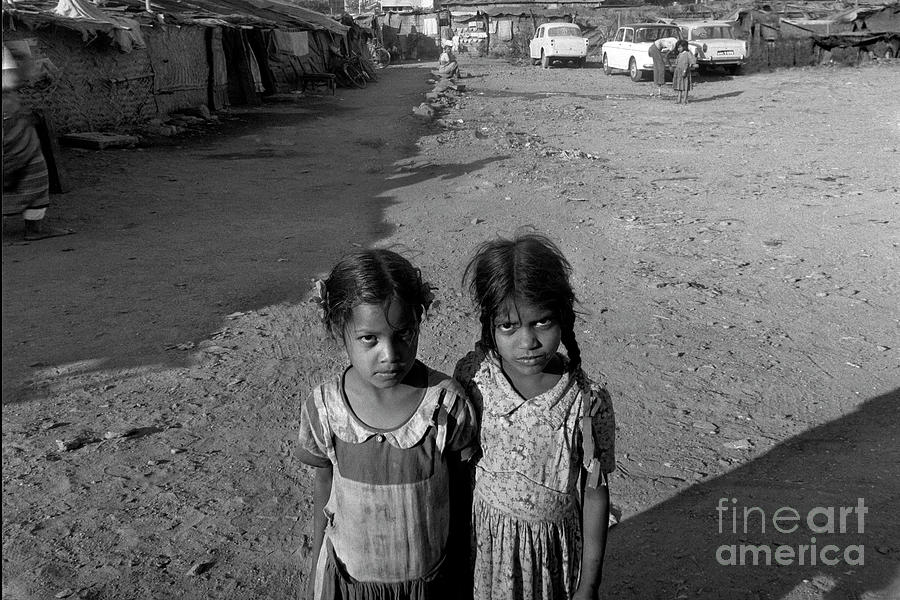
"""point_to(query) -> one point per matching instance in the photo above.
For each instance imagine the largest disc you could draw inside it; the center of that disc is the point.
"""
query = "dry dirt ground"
(736, 261)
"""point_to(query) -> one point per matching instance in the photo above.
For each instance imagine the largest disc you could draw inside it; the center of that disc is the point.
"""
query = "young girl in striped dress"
(541, 504)
(387, 438)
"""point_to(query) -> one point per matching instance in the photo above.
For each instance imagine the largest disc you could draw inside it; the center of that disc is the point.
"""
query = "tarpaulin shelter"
(870, 28)
(415, 33)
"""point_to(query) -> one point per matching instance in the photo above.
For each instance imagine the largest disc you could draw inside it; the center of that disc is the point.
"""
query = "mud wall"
(95, 86)
(180, 67)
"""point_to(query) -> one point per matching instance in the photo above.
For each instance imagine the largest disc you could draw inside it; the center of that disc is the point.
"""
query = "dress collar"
(349, 428)
(509, 400)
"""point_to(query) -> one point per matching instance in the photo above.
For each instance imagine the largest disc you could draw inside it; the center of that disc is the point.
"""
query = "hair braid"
(568, 339)
(528, 268)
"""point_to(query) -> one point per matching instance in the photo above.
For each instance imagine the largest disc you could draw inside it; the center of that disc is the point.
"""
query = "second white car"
(558, 42)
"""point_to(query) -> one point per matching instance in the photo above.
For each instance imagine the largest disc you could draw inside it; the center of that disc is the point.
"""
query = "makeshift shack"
(873, 31)
(415, 33)
(116, 66)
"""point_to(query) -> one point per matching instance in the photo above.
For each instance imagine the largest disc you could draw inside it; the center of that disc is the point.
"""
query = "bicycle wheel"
(381, 57)
(368, 68)
(354, 75)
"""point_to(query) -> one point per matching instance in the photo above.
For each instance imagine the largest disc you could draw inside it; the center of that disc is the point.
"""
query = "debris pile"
(443, 95)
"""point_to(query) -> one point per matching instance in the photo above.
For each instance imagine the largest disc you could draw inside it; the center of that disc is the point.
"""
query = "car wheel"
(545, 60)
(606, 67)
(733, 69)
(635, 73)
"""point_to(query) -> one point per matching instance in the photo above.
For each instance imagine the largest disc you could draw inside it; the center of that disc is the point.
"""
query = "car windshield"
(651, 34)
(565, 31)
(711, 32)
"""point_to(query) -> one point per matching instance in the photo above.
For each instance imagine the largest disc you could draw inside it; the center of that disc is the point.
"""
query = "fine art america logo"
(820, 520)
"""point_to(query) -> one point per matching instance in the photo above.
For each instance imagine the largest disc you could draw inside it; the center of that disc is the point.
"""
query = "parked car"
(718, 42)
(628, 50)
(558, 42)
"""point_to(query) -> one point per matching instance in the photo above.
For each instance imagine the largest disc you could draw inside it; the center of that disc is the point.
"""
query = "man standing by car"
(655, 51)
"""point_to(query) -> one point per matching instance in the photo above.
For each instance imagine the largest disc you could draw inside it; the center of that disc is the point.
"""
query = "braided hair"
(528, 268)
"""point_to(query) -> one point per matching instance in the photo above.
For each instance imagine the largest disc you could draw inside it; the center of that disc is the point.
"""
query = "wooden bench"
(314, 79)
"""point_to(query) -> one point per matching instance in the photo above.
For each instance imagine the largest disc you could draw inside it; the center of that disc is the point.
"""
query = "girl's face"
(527, 338)
(381, 342)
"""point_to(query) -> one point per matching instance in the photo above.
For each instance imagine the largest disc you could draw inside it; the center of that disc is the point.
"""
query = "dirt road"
(736, 261)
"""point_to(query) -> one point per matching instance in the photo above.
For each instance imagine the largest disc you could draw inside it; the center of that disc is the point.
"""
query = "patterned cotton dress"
(389, 510)
(526, 514)
(681, 77)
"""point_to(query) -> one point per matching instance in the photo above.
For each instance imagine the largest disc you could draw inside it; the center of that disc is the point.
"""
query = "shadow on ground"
(695, 98)
(172, 239)
(677, 548)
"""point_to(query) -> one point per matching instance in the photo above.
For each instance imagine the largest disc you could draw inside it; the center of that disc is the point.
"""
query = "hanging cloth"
(127, 32)
(254, 67)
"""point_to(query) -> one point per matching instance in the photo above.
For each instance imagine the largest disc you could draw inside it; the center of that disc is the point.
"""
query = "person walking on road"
(26, 184)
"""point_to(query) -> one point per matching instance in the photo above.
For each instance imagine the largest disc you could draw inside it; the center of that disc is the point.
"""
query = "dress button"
(379, 437)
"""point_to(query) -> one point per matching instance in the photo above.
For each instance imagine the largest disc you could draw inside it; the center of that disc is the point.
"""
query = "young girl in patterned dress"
(681, 77)
(541, 503)
(386, 437)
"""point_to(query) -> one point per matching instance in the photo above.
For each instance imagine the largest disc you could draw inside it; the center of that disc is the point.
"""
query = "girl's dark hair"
(370, 277)
(681, 45)
(528, 268)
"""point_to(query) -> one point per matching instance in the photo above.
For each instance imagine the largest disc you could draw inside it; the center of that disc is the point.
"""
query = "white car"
(628, 50)
(718, 42)
(558, 41)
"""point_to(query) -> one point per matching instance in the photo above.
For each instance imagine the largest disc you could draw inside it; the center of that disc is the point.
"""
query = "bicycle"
(380, 56)
(348, 72)
(366, 65)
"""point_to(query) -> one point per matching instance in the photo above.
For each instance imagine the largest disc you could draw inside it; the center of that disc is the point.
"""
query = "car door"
(626, 46)
(534, 46)
(616, 52)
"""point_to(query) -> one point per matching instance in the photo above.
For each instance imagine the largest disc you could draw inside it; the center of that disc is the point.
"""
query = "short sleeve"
(464, 428)
(312, 432)
(599, 434)
(464, 374)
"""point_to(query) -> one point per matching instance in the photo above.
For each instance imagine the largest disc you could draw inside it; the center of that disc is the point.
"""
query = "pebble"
(744, 444)
(199, 568)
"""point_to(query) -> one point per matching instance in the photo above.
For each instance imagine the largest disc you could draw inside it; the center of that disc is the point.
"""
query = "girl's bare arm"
(595, 526)
(320, 498)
